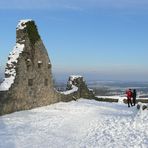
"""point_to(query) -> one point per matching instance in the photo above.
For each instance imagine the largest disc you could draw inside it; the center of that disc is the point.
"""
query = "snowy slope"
(83, 123)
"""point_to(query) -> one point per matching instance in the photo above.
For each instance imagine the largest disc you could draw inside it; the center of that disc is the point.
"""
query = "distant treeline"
(111, 88)
(101, 91)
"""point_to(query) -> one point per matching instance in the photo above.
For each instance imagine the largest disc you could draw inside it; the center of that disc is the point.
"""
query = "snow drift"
(82, 123)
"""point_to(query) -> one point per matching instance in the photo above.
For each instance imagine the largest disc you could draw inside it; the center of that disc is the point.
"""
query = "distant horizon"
(92, 76)
(63, 77)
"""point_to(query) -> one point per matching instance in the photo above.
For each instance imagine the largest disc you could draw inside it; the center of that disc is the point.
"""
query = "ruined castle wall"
(33, 84)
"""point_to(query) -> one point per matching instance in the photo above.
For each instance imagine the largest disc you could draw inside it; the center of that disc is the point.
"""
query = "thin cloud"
(123, 3)
(38, 4)
(72, 4)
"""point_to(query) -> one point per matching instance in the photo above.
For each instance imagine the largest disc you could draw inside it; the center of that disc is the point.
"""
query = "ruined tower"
(28, 77)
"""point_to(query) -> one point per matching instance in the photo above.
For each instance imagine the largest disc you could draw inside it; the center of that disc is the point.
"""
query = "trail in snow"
(83, 123)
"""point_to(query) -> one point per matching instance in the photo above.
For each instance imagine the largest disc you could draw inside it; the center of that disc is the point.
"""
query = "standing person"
(134, 96)
(129, 97)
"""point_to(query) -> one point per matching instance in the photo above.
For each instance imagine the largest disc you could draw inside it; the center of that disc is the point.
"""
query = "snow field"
(83, 123)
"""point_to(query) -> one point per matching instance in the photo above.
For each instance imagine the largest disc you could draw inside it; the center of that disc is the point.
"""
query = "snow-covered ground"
(76, 124)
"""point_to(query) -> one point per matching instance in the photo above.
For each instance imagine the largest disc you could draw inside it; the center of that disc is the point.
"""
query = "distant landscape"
(110, 88)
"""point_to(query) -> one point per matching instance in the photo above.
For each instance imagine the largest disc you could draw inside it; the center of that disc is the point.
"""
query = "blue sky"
(100, 39)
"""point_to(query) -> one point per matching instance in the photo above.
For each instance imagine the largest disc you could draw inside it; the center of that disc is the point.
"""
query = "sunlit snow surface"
(82, 123)
(10, 67)
(73, 87)
(22, 24)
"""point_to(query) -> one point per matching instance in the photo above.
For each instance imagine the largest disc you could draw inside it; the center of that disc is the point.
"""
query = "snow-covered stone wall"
(28, 77)
(10, 70)
(77, 88)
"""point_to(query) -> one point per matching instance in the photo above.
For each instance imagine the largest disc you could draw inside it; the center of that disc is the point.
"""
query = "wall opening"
(39, 64)
(30, 82)
(46, 82)
(28, 63)
(49, 65)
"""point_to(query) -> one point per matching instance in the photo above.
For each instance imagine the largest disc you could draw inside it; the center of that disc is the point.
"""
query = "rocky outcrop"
(142, 106)
(28, 77)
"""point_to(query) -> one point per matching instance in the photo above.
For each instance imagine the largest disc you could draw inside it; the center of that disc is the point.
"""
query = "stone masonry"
(28, 75)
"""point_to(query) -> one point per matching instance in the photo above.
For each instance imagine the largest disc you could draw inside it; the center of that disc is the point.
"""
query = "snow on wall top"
(22, 24)
(10, 71)
(74, 89)
(73, 77)
(72, 82)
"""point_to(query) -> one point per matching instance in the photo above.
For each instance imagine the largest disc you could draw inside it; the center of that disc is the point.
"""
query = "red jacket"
(129, 93)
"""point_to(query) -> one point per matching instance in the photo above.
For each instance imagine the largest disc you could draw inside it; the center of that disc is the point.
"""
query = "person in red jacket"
(129, 97)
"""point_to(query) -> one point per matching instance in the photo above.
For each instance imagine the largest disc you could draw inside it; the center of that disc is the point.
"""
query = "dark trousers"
(134, 100)
(129, 102)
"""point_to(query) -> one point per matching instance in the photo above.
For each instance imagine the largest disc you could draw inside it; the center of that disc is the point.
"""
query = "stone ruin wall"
(33, 84)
